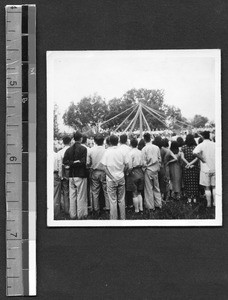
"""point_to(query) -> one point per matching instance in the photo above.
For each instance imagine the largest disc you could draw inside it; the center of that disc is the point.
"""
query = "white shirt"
(55, 161)
(95, 156)
(115, 161)
(207, 150)
(151, 157)
(60, 156)
(135, 158)
(125, 149)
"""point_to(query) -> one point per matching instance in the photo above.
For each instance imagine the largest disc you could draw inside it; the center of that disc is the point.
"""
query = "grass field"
(171, 210)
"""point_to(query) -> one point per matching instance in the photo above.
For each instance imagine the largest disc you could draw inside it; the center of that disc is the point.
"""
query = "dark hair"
(190, 141)
(99, 139)
(196, 135)
(123, 138)
(77, 136)
(180, 141)
(165, 142)
(147, 137)
(66, 140)
(141, 144)
(174, 147)
(84, 138)
(114, 140)
(158, 141)
(134, 143)
(206, 135)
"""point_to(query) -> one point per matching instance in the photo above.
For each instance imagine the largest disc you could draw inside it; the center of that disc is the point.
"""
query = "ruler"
(20, 150)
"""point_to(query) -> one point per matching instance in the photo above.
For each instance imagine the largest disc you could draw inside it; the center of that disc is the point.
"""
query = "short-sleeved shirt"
(151, 157)
(207, 150)
(115, 161)
(135, 158)
(60, 161)
(125, 149)
(95, 156)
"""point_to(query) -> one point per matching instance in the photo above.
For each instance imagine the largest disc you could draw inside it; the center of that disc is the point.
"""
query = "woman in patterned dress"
(191, 169)
(175, 170)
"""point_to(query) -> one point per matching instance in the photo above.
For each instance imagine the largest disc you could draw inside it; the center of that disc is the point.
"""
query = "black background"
(122, 263)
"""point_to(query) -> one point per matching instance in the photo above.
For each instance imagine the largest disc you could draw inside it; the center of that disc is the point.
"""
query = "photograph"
(134, 138)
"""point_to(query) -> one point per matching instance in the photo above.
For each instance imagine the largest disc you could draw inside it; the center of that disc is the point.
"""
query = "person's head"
(78, 136)
(123, 138)
(165, 142)
(66, 140)
(196, 135)
(84, 139)
(174, 147)
(134, 143)
(180, 141)
(190, 141)
(206, 135)
(114, 140)
(99, 139)
(147, 137)
(141, 144)
(158, 141)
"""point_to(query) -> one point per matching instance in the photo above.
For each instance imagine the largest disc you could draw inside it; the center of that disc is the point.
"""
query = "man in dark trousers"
(75, 158)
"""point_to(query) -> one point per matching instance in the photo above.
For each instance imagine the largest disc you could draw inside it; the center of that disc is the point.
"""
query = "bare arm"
(200, 157)
(174, 158)
(184, 159)
(108, 173)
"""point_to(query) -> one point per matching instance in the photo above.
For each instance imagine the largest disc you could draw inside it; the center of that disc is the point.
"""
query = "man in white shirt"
(64, 174)
(98, 175)
(135, 178)
(151, 163)
(205, 151)
(123, 147)
(57, 186)
(114, 165)
(89, 192)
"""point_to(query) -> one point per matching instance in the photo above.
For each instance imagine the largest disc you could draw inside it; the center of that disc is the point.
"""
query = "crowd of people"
(119, 172)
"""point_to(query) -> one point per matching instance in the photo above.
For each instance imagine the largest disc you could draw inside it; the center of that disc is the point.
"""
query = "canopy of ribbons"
(137, 116)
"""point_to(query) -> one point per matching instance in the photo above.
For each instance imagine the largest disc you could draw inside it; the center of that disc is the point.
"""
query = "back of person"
(151, 157)
(115, 162)
(95, 156)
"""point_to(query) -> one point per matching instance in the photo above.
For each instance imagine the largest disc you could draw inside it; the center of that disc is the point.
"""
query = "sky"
(189, 78)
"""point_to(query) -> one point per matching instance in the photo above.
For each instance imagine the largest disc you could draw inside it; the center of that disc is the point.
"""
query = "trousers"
(98, 180)
(116, 195)
(152, 194)
(65, 194)
(78, 197)
(57, 195)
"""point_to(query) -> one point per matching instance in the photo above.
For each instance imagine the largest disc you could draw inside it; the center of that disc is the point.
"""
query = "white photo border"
(214, 53)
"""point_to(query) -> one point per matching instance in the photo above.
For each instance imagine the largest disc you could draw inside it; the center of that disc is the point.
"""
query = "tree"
(174, 115)
(55, 117)
(88, 112)
(199, 121)
(152, 98)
